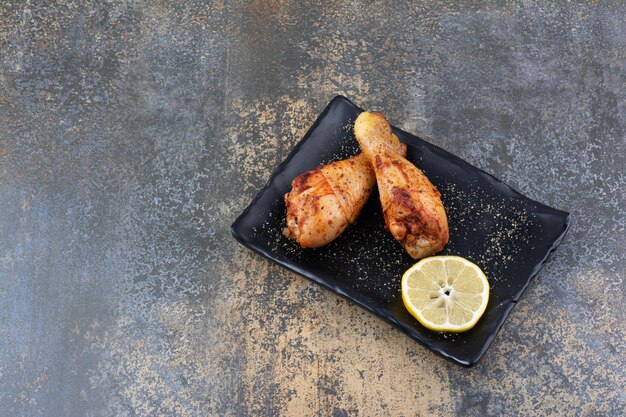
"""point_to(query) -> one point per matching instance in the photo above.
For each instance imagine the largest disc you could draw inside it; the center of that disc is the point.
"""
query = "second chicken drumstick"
(412, 207)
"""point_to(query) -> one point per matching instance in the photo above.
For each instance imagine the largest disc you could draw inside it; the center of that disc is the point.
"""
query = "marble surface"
(132, 133)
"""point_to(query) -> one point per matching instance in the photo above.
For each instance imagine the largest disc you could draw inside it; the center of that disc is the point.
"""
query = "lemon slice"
(445, 293)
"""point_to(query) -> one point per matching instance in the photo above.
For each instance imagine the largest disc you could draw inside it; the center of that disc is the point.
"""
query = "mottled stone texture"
(132, 133)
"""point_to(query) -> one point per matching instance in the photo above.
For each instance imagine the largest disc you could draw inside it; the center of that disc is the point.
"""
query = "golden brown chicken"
(411, 204)
(324, 201)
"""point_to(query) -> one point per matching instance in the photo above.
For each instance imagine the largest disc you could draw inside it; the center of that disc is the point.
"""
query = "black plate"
(508, 235)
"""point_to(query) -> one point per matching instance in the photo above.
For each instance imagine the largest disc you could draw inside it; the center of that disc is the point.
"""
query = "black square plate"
(508, 235)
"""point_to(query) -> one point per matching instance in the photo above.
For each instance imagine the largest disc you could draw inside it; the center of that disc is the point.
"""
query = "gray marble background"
(132, 133)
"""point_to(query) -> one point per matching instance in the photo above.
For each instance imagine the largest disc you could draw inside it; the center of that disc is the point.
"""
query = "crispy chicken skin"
(324, 201)
(411, 204)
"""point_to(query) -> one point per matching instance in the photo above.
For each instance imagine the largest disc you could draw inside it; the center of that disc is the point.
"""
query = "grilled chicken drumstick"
(411, 204)
(324, 201)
